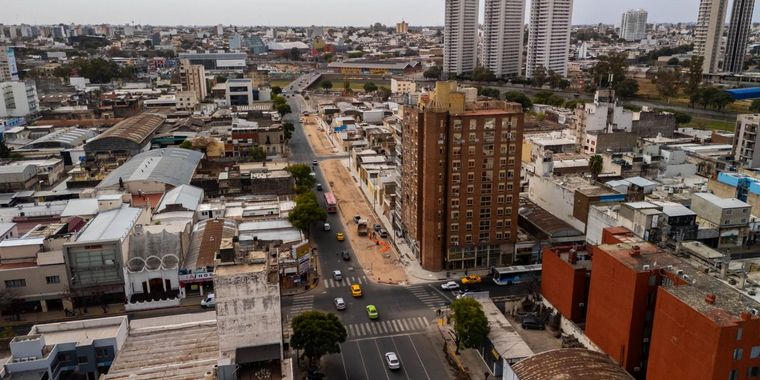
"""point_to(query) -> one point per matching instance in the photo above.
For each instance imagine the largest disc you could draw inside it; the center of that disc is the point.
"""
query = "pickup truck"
(361, 227)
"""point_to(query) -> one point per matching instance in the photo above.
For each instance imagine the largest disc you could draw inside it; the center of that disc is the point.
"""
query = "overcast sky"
(301, 12)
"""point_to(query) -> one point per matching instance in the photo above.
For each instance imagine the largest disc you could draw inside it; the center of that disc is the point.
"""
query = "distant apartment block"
(549, 36)
(18, 99)
(633, 26)
(503, 36)
(738, 33)
(746, 139)
(193, 79)
(708, 33)
(402, 27)
(8, 68)
(460, 36)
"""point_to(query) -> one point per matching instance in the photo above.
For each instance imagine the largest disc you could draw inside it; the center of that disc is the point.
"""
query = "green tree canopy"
(276, 90)
(287, 130)
(755, 106)
(489, 92)
(307, 211)
(187, 144)
(385, 92)
(595, 165)
(326, 84)
(482, 74)
(434, 72)
(540, 76)
(610, 70)
(302, 175)
(370, 87)
(627, 88)
(317, 334)
(295, 54)
(470, 323)
(257, 153)
(667, 83)
(694, 79)
(519, 97)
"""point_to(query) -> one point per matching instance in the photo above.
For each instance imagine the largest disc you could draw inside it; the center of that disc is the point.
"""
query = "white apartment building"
(193, 78)
(8, 68)
(709, 32)
(633, 26)
(503, 36)
(460, 36)
(549, 36)
(746, 138)
(18, 99)
(401, 86)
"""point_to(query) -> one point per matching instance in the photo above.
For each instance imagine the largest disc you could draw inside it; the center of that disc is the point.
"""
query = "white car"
(451, 285)
(209, 301)
(340, 304)
(392, 360)
(337, 275)
(327, 227)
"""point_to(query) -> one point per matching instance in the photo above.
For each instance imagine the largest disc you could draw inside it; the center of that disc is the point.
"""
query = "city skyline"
(193, 12)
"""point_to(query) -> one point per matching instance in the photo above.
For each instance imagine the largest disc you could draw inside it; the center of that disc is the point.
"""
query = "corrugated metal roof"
(66, 137)
(188, 196)
(569, 363)
(77, 207)
(136, 128)
(171, 166)
(110, 225)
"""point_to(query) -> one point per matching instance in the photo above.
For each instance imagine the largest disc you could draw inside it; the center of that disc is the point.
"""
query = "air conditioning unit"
(645, 267)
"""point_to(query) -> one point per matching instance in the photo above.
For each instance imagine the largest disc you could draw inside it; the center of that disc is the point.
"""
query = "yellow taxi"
(340, 236)
(471, 279)
(356, 290)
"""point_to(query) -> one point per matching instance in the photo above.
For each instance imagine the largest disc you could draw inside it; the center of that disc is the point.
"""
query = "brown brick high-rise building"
(460, 180)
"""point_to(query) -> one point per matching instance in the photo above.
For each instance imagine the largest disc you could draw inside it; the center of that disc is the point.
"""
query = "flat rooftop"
(649, 255)
(506, 341)
(82, 332)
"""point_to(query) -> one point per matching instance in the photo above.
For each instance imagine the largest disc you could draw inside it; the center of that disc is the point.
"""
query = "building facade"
(18, 99)
(460, 180)
(193, 79)
(746, 139)
(633, 26)
(460, 36)
(8, 68)
(402, 27)
(709, 32)
(738, 33)
(503, 37)
(549, 36)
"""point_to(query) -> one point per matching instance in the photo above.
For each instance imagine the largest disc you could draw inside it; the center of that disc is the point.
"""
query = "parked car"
(383, 233)
(314, 162)
(372, 312)
(337, 275)
(471, 279)
(326, 227)
(319, 187)
(378, 227)
(451, 285)
(340, 304)
(345, 255)
(532, 323)
(392, 360)
(340, 236)
(209, 301)
(357, 218)
(470, 288)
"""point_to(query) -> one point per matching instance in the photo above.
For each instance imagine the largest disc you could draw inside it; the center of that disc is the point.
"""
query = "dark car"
(378, 227)
(319, 187)
(470, 288)
(345, 255)
(532, 323)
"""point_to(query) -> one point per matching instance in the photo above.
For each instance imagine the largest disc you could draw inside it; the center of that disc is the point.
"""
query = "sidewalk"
(467, 363)
(115, 309)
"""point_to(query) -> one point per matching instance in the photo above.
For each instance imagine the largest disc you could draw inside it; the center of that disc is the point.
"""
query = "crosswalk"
(428, 296)
(386, 327)
(346, 282)
(300, 304)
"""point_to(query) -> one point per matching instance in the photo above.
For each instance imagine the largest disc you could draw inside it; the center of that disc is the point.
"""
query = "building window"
(484, 235)
(455, 215)
(470, 150)
(455, 228)
(470, 176)
(15, 283)
(498, 235)
(53, 279)
(753, 372)
(485, 200)
(485, 212)
(455, 203)
(455, 240)
(457, 124)
(755, 353)
(499, 212)
(469, 201)
(470, 189)
(468, 227)
(733, 375)
(738, 352)
(501, 187)
(485, 225)
(468, 239)
(82, 360)
(468, 214)
(739, 333)
(500, 199)
(471, 164)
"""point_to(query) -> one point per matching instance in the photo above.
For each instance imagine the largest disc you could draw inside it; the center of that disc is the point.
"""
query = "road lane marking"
(382, 361)
(418, 356)
(364, 365)
(398, 325)
(342, 360)
(327, 284)
(398, 354)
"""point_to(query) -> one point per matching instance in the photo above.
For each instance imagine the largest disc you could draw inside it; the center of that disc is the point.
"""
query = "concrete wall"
(598, 220)
(36, 287)
(552, 197)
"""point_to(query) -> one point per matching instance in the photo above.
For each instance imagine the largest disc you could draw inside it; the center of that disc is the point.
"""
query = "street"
(406, 313)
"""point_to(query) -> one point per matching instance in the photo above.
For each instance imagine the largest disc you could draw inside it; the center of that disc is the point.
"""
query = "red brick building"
(565, 275)
(704, 330)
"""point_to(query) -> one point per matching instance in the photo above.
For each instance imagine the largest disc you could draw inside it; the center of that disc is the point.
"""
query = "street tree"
(287, 130)
(302, 175)
(307, 211)
(489, 92)
(434, 72)
(555, 79)
(187, 144)
(370, 87)
(540, 76)
(276, 90)
(595, 165)
(326, 84)
(347, 87)
(667, 83)
(470, 323)
(519, 97)
(610, 70)
(694, 79)
(317, 334)
(257, 154)
(627, 88)
(295, 54)
(385, 92)
(755, 106)
(482, 74)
